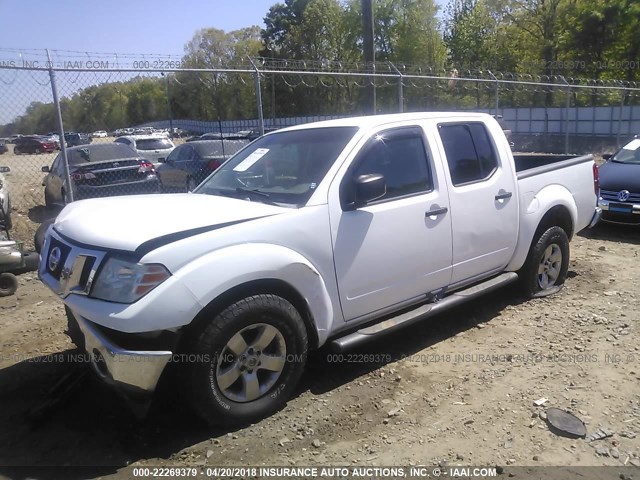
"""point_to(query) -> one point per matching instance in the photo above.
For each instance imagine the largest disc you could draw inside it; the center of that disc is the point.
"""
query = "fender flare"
(534, 208)
(218, 272)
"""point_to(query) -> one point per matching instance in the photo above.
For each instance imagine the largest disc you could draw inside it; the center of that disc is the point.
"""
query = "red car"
(33, 145)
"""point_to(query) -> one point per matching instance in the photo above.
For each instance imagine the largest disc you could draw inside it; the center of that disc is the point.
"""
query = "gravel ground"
(458, 389)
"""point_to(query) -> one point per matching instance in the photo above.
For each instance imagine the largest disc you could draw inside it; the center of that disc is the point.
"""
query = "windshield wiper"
(252, 190)
(255, 191)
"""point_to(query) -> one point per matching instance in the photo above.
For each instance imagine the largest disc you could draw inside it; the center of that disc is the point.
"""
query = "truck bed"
(530, 164)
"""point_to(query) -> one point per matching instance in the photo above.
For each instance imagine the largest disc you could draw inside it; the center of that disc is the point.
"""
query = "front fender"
(533, 207)
(213, 274)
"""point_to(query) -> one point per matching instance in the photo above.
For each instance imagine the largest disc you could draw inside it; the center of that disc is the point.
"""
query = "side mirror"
(368, 188)
(607, 156)
(5, 169)
(45, 169)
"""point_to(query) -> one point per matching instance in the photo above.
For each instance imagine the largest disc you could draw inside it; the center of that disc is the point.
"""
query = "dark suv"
(74, 139)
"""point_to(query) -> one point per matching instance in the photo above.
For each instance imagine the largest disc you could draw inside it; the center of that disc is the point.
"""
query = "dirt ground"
(458, 389)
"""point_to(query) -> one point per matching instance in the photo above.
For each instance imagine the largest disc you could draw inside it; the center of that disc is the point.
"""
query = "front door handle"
(436, 211)
(503, 196)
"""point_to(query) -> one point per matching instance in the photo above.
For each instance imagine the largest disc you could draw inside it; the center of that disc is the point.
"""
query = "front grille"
(74, 267)
(613, 196)
(58, 264)
(616, 217)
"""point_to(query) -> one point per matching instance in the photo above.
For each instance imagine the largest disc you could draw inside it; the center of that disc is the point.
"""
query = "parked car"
(190, 163)
(55, 138)
(153, 147)
(99, 134)
(5, 201)
(3, 147)
(74, 139)
(253, 134)
(335, 232)
(620, 185)
(99, 170)
(34, 144)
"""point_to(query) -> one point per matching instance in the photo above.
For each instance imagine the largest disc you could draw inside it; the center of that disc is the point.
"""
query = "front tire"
(546, 267)
(248, 360)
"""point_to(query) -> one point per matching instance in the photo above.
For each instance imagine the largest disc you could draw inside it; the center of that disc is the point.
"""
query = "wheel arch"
(272, 286)
(553, 206)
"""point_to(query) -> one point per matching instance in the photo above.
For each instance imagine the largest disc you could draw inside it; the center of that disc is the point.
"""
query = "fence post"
(256, 77)
(169, 112)
(497, 91)
(624, 94)
(566, 119)
(400, 89)
(63, 143)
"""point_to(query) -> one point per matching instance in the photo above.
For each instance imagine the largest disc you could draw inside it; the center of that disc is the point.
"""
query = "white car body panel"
(346, 265)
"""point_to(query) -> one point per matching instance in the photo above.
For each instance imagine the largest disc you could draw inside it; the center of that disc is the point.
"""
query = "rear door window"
(470, 153)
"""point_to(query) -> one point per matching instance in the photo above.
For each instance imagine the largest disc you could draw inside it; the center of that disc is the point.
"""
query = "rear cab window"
(471, 156)
(153, 144)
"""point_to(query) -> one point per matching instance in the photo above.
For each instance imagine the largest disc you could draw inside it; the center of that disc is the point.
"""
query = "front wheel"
(247, 360)
(546, 267)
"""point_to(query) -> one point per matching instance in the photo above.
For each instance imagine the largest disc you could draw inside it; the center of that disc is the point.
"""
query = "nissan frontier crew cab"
(334, 232)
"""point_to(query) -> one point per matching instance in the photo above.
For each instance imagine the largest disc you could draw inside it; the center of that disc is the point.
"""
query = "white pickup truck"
(325, 233)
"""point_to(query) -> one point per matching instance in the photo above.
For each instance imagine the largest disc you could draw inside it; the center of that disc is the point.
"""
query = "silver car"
(152, 147)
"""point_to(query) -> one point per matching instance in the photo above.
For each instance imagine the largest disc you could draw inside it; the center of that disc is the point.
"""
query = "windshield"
(282, 168)
(153, 144)
(630, 153)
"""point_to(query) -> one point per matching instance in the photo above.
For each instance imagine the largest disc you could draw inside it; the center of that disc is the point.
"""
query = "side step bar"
(421, 312)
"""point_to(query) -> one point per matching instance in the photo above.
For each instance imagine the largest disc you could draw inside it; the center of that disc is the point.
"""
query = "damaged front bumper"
(137, 370)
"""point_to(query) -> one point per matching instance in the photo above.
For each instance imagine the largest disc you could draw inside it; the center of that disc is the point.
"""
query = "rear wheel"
(546, 267)
(191, 184)
(248, 360)
(38, 151)
(16, 151)
(8, 284)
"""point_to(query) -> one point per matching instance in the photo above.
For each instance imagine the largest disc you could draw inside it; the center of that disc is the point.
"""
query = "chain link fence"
(84, 127)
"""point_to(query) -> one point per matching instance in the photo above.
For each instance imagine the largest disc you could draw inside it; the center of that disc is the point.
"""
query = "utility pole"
(369, 55)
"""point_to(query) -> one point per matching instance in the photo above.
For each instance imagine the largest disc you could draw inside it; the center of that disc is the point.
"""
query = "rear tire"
(38, 151)
(249, 359)
(16, 151)
(8, 284)
(546, 267)
(191, 184)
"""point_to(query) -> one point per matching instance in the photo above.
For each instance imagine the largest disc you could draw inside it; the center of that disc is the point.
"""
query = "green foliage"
(588, 38)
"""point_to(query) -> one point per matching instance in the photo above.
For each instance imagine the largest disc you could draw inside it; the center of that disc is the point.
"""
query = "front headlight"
(124, 281)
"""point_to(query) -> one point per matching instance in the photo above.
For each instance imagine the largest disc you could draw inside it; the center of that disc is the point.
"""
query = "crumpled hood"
(128, 222)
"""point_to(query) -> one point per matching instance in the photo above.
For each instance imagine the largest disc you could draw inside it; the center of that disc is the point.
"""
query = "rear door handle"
(437, 211)
(504, 196)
